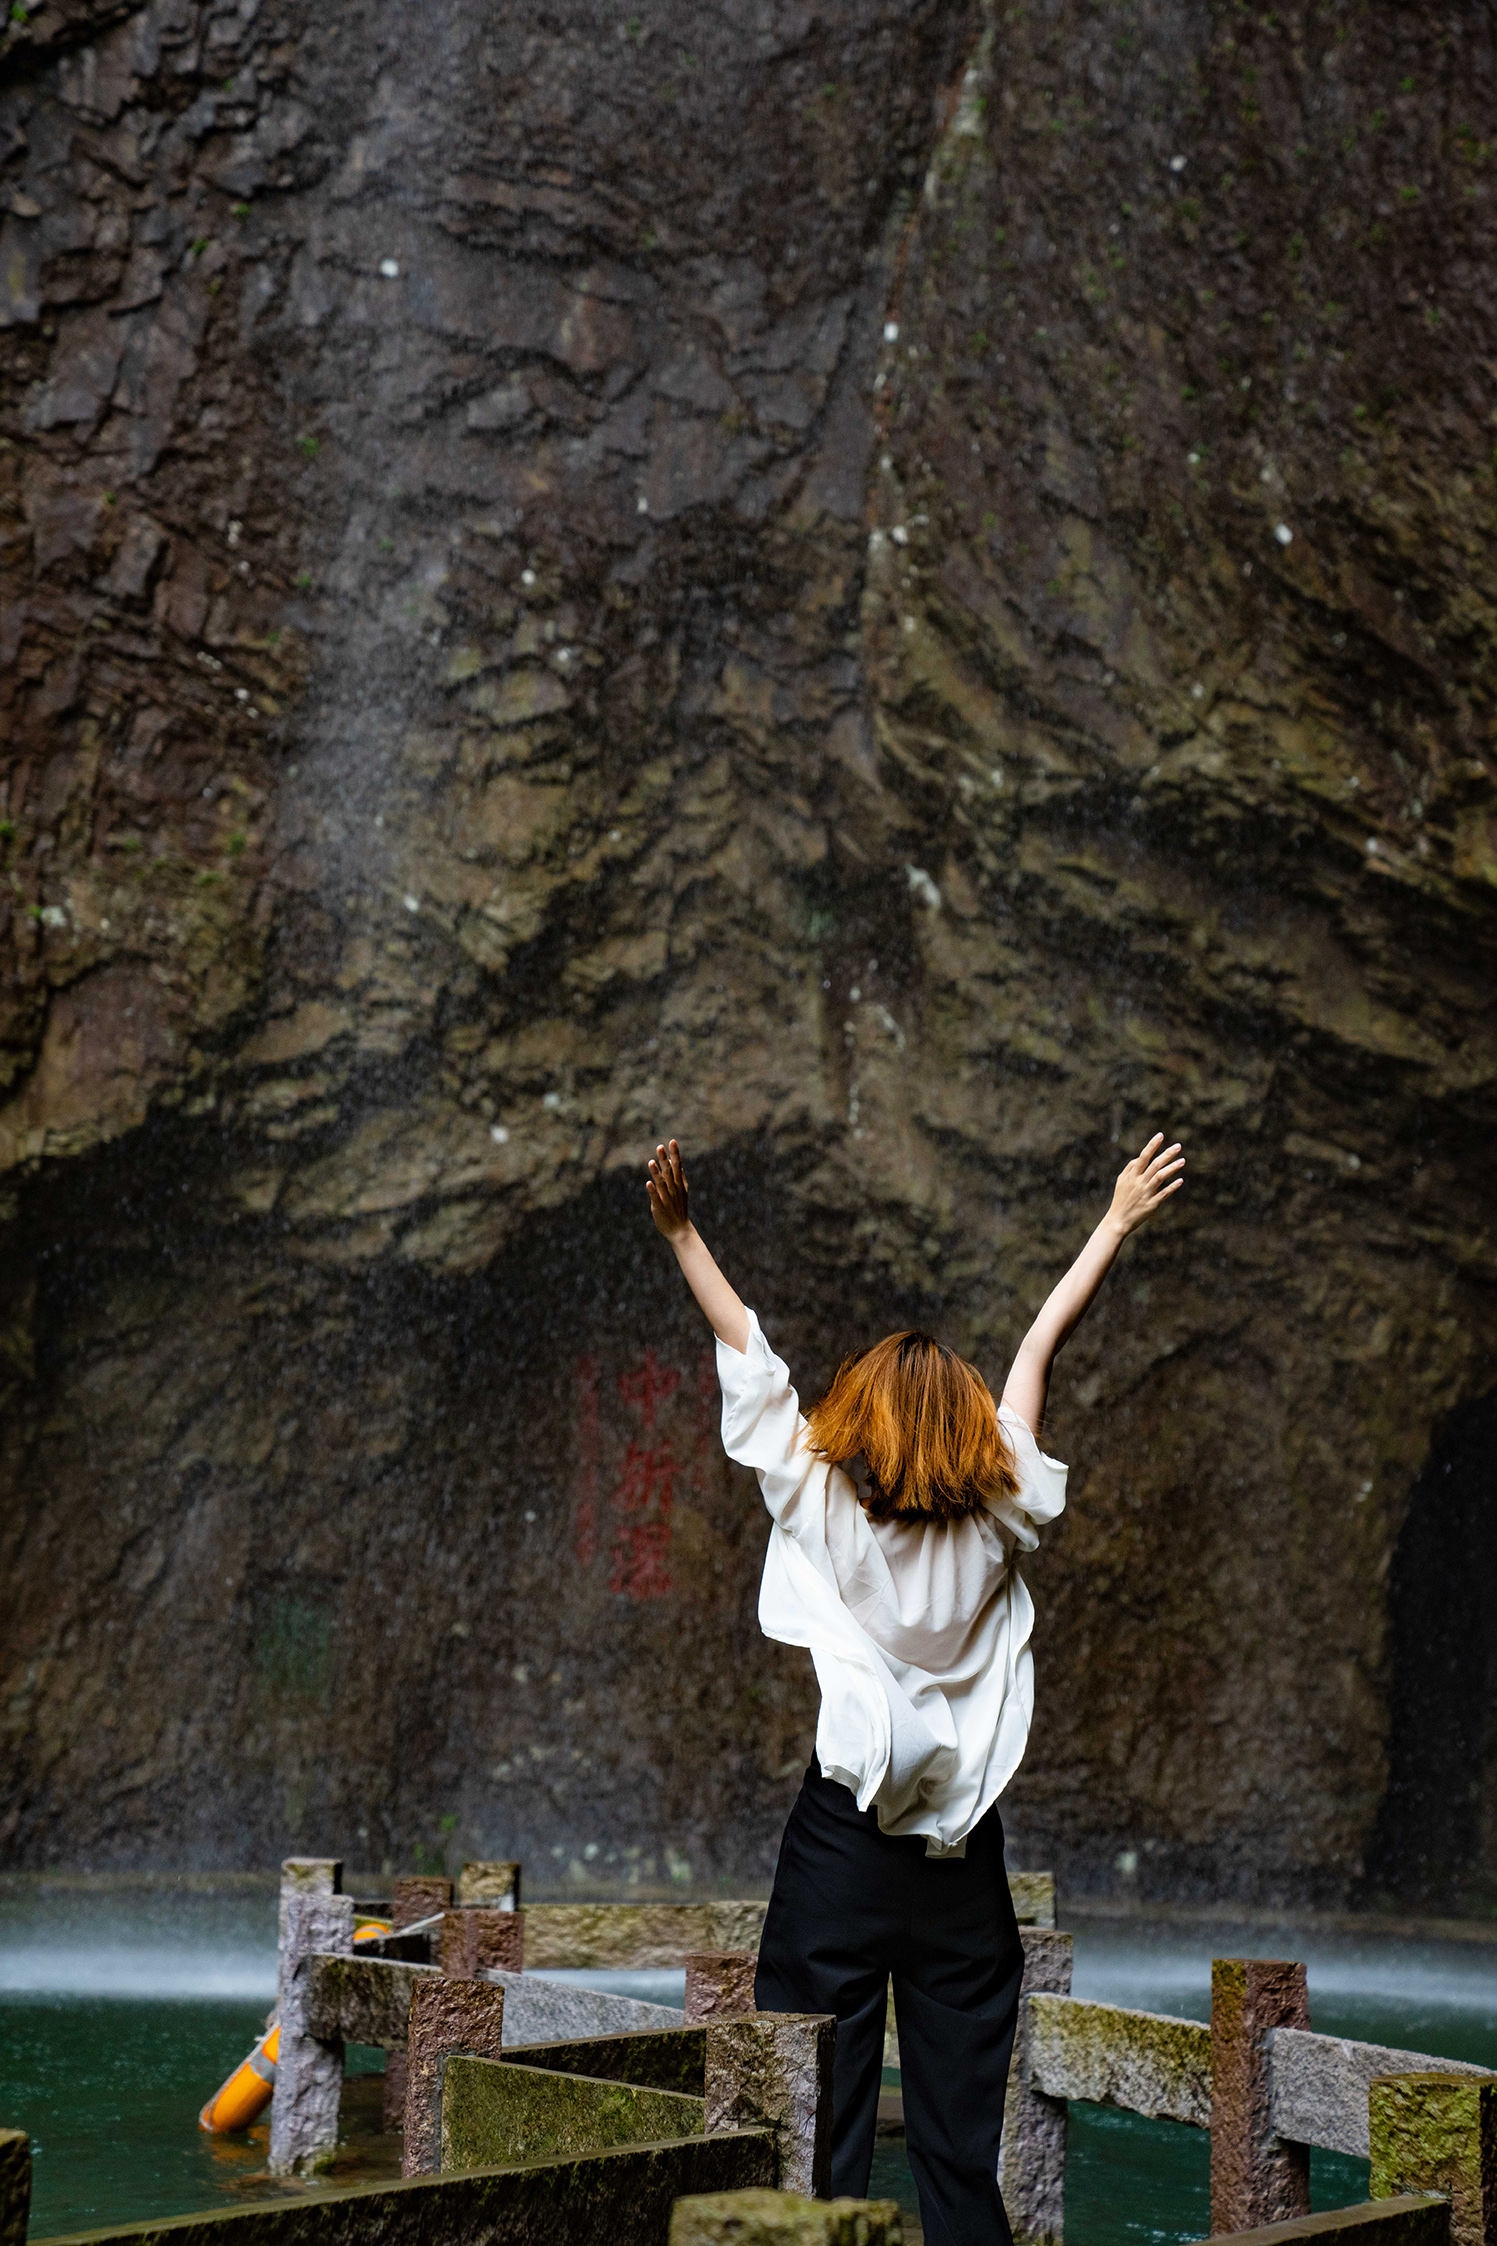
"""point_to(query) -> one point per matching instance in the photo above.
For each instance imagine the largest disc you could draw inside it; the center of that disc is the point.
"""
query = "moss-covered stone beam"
(1145, 2062)
(633, 1937)
(1416, 2219)
(783, 2218)
(1320, 2085)
(670, 2059)
(494, 2112)
(1034, 1897)
(623, 2196)
(362, 1999)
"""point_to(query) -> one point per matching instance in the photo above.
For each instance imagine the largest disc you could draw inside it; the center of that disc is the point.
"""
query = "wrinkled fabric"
(919, 1630)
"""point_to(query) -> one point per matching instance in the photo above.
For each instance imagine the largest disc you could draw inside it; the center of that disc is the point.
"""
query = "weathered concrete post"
(1256, 2177)
(420, 1895)
(1438, 2132)
(446, 2016)
(719, 1984)
(495, 1885)
(309, 2073)
(1032, 2159)
(15, 2186)
(474, 1939)
(775, 2070)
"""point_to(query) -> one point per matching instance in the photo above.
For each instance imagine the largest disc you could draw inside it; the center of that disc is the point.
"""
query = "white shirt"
(919, 1629)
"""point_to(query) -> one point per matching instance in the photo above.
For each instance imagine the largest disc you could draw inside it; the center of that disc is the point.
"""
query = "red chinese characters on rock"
(634, 1526)
(646, 1488)
(585, 1540)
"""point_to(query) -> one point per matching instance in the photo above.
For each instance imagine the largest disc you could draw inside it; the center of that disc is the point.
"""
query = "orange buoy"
(249, 2088)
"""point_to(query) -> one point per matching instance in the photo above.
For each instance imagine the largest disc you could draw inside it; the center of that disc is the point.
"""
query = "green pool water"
(118, 2020)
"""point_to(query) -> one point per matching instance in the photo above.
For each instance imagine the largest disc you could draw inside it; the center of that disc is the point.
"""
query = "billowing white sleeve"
(1042, 1484)
(762, 1426)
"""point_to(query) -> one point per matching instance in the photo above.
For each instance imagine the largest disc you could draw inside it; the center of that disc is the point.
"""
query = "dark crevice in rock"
(1435, 1841)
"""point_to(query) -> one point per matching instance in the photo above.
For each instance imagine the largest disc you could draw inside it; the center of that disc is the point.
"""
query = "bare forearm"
(1143, 1186)
(720, 1305)
(1066, 1305)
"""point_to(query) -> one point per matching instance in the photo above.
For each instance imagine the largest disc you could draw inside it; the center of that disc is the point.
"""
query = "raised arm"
(1142, 1185)
(721, 1307)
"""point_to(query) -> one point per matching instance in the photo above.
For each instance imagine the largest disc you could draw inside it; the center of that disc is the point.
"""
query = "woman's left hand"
(1144, 1183)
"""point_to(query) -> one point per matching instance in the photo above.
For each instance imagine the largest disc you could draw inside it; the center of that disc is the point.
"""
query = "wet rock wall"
(904, 592)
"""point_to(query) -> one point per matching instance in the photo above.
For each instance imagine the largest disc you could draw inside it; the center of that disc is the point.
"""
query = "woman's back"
(919, 1627)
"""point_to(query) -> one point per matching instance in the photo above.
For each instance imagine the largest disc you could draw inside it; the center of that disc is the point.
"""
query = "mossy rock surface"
(663, 2059)
(494, 2112)
(780, 2218)
(623, 2196)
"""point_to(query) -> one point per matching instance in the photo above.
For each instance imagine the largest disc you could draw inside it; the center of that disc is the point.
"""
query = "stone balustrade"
(503, 2073)
(1145, 2062)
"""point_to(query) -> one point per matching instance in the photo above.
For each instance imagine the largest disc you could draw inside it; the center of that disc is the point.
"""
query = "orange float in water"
(249, 2088)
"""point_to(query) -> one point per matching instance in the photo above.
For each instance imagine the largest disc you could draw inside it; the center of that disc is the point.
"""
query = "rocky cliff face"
(905, 592)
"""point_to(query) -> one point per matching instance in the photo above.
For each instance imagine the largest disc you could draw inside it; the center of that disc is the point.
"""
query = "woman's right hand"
(667, 1190)
(1142, 1185)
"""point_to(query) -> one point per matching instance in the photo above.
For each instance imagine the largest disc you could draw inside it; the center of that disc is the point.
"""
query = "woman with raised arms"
(899, 1504)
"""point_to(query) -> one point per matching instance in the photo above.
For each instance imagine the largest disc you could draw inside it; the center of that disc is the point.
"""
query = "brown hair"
(925, 1423)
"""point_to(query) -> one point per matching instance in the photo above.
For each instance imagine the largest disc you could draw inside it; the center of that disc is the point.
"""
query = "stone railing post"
(419, 1895)
(774, 2070)
(474, 1939)
(309, 2072)
(15, 2186)
(1438, 2132)
(719, 1984)
(446, 2016)
(1256, 2177)
(496, 1886)
(1032, 2159)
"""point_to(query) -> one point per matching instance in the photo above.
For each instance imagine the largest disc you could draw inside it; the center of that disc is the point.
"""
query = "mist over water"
(203, 1948)
(1431, 1995)
(152, 1948)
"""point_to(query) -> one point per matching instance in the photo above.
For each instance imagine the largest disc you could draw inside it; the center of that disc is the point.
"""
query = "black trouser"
(850, 1908)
